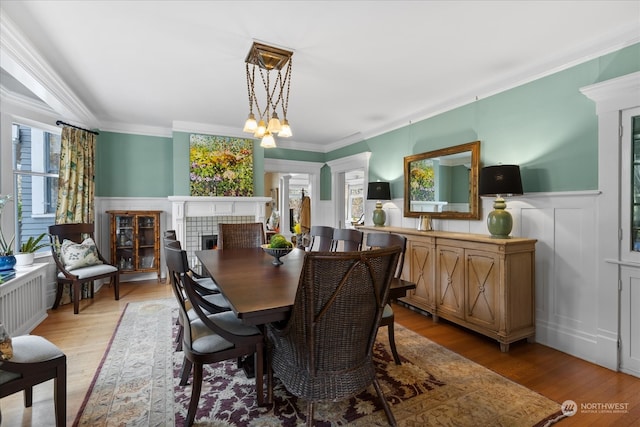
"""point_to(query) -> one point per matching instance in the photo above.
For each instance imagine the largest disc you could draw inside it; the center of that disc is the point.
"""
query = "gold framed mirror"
(443, 183)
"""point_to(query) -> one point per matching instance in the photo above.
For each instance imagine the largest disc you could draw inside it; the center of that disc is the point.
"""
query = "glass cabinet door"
(146, 242)
(630, 185)
(125, 233)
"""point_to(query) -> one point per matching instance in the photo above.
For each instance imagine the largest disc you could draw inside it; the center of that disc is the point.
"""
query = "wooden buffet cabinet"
(484, 284)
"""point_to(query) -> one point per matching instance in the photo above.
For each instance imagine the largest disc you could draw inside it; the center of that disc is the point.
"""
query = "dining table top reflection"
(258, 291)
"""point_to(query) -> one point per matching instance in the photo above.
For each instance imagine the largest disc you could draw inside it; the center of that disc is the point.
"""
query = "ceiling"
(360, 68)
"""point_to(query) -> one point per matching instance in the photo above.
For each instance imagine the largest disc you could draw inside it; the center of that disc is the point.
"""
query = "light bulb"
(261, 129)
(268, 141)
(274, 123)
(250, 125)
(285, 130)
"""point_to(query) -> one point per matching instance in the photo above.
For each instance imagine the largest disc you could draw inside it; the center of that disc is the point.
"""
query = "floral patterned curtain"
(76, 182)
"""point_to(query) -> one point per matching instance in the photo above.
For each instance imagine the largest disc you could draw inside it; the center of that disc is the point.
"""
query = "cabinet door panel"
(483, 287)
(450, 281)
(422, 268)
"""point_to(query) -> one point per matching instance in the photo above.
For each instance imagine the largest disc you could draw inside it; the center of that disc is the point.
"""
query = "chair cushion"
(228, 320)
(91, 271)
(76, 255)
(217, 299)
(208, 283)
(204, 340)
(30, 349)
(388, 311)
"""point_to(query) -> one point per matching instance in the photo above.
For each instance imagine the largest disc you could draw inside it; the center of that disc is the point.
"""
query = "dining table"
(258, 291)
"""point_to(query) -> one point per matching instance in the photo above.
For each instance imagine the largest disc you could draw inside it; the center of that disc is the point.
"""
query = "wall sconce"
(499, 181)
(379, 191)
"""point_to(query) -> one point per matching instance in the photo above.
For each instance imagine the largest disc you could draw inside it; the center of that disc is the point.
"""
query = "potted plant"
(28, 248)
(7, 260)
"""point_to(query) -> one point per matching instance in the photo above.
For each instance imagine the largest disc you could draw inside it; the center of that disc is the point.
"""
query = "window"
(36, 156)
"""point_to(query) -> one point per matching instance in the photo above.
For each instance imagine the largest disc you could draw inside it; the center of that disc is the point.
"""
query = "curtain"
(76, 185)
(76, 182)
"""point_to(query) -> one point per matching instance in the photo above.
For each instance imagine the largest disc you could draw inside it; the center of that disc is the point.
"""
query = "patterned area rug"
(137, 384)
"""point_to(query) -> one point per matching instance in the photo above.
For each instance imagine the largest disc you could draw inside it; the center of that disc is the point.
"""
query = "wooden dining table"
(258, 291)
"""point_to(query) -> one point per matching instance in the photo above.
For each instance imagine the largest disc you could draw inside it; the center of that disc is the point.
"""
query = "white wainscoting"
(566, 266)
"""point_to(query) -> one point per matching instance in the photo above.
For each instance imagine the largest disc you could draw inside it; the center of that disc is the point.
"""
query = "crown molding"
(19, 58)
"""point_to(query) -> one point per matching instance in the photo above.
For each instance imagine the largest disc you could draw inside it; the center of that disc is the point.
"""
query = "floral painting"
(422, 180)
(220, 166)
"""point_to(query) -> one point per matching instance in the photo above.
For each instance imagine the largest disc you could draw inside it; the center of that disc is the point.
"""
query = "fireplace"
(209, 241)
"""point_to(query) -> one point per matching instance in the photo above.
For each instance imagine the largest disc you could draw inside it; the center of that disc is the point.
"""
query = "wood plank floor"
(556, 375)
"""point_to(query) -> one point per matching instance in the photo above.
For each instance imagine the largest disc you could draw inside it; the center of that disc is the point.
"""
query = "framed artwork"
(220, 166)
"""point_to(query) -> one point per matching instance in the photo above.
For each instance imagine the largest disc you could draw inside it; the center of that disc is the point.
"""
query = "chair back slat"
(347, 240)
(321, 238)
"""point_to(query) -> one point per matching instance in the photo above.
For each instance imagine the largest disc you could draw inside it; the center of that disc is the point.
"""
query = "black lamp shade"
(503, 180)
(378, 191)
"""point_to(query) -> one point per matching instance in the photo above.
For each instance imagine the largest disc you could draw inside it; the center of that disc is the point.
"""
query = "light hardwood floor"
(84, 338)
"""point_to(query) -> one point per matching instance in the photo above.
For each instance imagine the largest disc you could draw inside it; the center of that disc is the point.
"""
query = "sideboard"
(481, 283)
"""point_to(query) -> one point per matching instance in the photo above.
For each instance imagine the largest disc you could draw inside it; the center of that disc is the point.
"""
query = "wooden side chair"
(386, 240)
(323, 235)
(347, 239)
(36, 360)
(79, 261)
(210, 338)
(324, 352)
(244, 235)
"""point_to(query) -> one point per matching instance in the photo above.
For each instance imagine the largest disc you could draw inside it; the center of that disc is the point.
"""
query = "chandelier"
(274, 67)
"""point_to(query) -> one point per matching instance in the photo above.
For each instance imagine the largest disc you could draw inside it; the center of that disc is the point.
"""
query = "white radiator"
(22, 300)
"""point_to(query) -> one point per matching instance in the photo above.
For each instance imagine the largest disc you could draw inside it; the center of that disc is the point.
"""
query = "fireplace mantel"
(183, 207)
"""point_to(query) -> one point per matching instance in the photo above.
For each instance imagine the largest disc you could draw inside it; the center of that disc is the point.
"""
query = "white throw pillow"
(76, 255)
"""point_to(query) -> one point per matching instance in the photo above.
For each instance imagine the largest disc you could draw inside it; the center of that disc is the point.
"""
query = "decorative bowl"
(276, 253)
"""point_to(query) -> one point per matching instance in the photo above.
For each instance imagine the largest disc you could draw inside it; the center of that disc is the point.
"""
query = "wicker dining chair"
(323, 235)
(237, 236)
(385, 240)
(346, 239)
(210, 338)
(325, 350)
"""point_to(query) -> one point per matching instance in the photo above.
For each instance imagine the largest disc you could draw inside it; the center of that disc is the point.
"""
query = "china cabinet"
(135, 241)
(481, 283)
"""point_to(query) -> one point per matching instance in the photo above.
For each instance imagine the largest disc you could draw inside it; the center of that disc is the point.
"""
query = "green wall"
(546, 126)
(133, 165)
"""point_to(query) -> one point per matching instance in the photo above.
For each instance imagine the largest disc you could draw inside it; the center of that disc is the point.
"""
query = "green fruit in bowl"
(279, 241)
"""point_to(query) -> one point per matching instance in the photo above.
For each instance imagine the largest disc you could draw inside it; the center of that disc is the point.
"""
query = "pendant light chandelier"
(267, 59)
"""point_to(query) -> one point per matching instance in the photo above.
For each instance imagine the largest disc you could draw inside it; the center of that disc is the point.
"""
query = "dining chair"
(346, 239)
(35, 360)
(243, 235)
(214, 302)
(206, 282)
(385, 240)
(323, 235)
(325, 350)
(79, 261)
(210, 338)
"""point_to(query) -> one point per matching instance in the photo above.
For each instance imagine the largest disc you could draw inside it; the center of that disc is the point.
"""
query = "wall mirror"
(443, 183)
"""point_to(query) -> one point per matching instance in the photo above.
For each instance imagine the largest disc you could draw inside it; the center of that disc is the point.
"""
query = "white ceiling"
(360, 68)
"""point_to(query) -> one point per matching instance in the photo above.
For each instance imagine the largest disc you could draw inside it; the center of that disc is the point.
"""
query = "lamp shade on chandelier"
(274, 68)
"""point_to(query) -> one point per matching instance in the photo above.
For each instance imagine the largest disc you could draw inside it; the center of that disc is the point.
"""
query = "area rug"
(137, 384)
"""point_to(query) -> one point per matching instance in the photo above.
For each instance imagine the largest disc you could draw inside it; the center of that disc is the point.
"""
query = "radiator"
(22, 300)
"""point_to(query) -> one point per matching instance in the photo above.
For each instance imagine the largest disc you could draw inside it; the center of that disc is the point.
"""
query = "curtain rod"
(60, 122)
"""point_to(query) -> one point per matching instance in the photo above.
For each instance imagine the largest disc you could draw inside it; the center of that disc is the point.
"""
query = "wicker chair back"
(324, 352)
(237, 236)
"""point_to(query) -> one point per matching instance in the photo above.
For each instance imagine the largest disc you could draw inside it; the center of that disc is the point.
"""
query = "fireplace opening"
(209, 241)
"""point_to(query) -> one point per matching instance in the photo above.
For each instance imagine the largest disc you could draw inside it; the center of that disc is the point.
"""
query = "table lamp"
(499, 181)
(379, 191)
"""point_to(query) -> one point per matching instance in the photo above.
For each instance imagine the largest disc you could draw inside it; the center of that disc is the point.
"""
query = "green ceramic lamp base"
(499, 221)
(379, 216)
